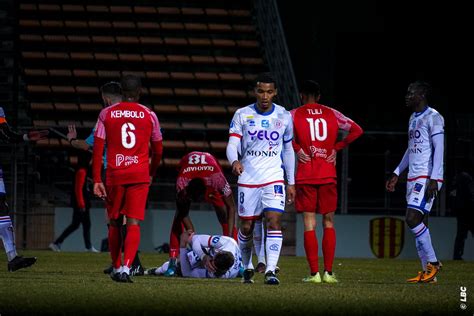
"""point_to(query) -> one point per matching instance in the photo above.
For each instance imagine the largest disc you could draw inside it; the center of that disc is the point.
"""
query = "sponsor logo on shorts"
(274, 247)
(126, 160)
(265, 123)
(278, 190)
(418, 187)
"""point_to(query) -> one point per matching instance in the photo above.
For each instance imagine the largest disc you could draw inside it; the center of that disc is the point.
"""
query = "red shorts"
(317, 198)
(215, 198)
(127, 199)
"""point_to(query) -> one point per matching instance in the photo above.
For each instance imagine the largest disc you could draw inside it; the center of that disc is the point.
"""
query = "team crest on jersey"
(278, 124)
(386, 237)
(418, 187)
(265, 123)
(278, 190)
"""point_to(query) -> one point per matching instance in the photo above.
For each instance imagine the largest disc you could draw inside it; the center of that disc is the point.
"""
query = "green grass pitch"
(73, 283)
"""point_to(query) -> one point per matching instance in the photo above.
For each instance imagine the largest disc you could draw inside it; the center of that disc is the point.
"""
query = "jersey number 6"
(128, 137)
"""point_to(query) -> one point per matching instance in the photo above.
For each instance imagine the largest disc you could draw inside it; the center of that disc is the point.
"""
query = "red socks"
(225, 231)
(329, 247)
(115, 245)
(176, 231)
(311, 249)
(132, 241)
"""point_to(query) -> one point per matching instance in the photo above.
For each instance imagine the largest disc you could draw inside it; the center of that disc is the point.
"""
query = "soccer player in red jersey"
(316, 128)
(200, 178)
(127, 128)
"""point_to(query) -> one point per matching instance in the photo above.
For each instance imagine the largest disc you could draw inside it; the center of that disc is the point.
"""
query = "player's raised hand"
(290, 194)
(302, 156)
(431, 190)
(99, 190)
(332, 157)
(72, 133)
(237, 168)
(37, 135)
(391, 182)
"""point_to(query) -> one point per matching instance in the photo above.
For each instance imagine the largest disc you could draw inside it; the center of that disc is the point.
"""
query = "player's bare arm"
(99, 190)
(72, 139)
(290, 193)
(391, 183)
(302, 156)
(237, 168)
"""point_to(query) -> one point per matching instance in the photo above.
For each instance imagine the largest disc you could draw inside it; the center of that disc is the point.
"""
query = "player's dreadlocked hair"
(223, 261)
(196, 189)
(131, 86)
(310, 88)
(424, 87)
(111, 89)
(265, 77)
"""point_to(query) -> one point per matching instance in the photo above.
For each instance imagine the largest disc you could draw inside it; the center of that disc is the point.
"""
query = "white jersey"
(261, 138)
(422, 127)
(211, 245)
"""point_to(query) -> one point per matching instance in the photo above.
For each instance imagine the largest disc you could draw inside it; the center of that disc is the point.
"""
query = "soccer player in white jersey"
(263, 131)
(206, 256)
(424, 160)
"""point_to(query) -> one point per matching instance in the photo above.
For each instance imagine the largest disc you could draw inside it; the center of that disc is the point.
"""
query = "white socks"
(245, 245)
(423, 244)
(273, 248)
(259, 240)
(8, 237)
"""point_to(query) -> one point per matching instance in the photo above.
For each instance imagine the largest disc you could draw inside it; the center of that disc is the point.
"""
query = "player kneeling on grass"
(205, 256)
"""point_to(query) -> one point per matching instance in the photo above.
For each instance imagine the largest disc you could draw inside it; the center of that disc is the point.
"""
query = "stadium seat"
(33, 55)
(97, 8)
(244, 28)
(100, 24)
(36, 72)
(81, 73)
(145, 10)
(195, 26)
(251, 61)
(216, 12)
(128, 40)
(87, 90)
(90, 107)
(234, 93)
(171, 26)
(178, 59)
(157, 75)
(63, 89)
(165, 108)
(77, 24)
(215, 93)
(82, 56)
(227, 60)
(41, 106)
(161, 91)
(148, 25)
(182, 75)
(29, 23)
(175, 41)
(224, 163)
(154, 58)
(168, 10)
(219, 27)
(171, 162)
(78, 39)
(193, 125)
(170, 125)
(240, 13)
(202, 59)
(105, 56)
(174, 144)
(109, 74)
(109, 40)
(199, 41)
(206, 76)
(130, 57)
(190, 109)
(223, 42)
(218, 145)
(224, 126)
(66, 107)
(196, 145)
(192, 11)
(121, 9)
(31, 38)
(49, 7)
(38, 89)
(214, 109)
(123, 25)
(28, 7)
(186, 92)
(148, 40)
(73, 8)
(60, 72)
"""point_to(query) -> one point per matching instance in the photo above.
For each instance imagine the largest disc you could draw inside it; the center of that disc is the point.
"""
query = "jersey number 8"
(128, 137)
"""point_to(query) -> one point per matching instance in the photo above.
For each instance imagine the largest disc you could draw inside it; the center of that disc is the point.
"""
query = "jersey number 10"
(318, 128)
(128, 137)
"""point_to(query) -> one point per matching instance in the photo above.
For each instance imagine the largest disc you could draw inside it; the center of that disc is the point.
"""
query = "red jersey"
(127, 129)
(316, 128)
(202, 165)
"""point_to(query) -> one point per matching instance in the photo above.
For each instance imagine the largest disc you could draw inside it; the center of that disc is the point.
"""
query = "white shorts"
(416, 195)
(253, 202)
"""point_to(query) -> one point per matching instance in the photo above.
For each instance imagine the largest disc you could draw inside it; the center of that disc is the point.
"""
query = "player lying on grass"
(205, 256)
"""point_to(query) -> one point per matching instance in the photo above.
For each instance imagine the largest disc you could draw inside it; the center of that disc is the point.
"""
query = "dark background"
(365, 53)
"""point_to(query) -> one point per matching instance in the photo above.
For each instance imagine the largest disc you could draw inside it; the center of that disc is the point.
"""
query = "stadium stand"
(197, 60)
